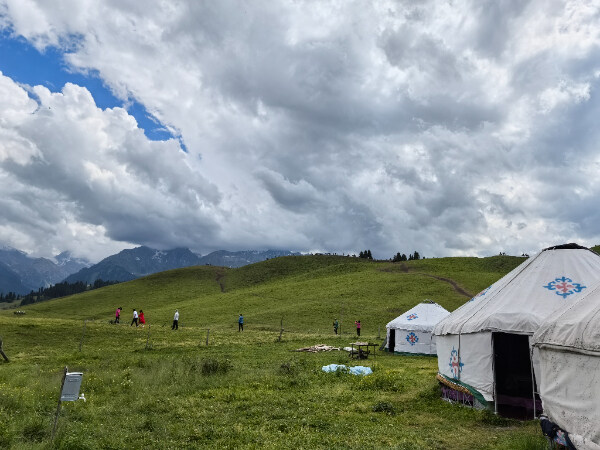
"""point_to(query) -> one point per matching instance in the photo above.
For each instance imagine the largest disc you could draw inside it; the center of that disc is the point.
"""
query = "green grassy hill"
(157, 388)
(306, 291)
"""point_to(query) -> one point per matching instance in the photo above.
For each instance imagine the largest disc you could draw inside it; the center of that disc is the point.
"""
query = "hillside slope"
(307, 292)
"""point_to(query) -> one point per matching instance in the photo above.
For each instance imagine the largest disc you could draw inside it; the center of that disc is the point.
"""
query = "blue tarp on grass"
(355, 370)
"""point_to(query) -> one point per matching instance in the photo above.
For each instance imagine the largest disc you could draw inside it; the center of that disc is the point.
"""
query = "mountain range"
(141, 261)
(21, 273)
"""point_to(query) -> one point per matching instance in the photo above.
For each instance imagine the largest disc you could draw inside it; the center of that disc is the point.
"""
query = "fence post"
(2, 351)
(82, 335)
(207, 334)
(281, 331)
(62, 384)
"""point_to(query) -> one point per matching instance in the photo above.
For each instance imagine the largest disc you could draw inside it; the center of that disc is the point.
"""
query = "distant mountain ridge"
(20, 273)
(242, 258)
(133, 263)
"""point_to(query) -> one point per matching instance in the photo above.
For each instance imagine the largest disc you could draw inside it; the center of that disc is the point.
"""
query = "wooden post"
(532, 382)
(207, 334)
(148, 337)
(281, 331)
(82, 335)
(2, 351)
(59, 402)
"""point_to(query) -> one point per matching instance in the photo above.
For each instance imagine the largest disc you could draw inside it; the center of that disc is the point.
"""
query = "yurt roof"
(422, 317)
(521, 300)
(577, 327)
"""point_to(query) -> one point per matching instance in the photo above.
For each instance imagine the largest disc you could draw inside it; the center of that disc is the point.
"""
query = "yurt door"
(512, 367)
(392, 341)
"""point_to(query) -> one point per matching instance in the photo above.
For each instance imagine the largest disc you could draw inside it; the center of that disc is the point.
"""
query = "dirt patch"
(456, 287)
(402, 267)
(219, 279)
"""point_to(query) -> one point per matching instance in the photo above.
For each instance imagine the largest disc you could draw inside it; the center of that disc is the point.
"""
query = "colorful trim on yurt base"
(461, 387)
(415, 354)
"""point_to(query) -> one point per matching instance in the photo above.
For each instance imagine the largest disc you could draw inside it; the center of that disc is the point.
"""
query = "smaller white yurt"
(568, 349)
(411, 332)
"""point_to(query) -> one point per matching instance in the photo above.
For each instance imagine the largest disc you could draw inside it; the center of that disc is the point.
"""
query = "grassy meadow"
(157, 388)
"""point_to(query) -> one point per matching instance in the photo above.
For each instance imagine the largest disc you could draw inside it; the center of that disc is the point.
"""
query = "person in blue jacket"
(241, 323)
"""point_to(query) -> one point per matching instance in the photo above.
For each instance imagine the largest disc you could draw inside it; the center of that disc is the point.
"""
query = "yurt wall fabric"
(568, 349)
(469, 359)
(412, 330)
(409, 341)
(518, 303)
(569, 387)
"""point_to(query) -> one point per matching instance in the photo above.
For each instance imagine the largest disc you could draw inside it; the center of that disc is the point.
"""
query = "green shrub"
(212, 366)
(384, 407)
(6, 435)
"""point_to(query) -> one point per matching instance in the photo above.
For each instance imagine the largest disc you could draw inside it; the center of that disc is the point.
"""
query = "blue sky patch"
(23, 63)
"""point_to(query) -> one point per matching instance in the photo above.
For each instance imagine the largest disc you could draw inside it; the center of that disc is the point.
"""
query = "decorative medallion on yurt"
(411, 331)
(484, 347)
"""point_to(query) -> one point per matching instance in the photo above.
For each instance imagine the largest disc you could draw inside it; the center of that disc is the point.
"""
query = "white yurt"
(567, 346)
(411, 331)
(484, 346)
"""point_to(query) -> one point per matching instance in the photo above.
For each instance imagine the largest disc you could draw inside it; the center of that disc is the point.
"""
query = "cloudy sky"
(451, 128)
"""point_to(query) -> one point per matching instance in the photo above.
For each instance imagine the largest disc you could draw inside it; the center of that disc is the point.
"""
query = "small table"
(360, 350)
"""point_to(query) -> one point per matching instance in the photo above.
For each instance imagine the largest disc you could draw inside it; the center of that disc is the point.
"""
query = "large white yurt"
(411, 331)
(484, 346)
(567, 346)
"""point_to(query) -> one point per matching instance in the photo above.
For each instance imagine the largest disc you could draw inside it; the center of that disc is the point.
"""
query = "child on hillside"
(142, 318)
(357, 323)
(241, 323)
(336, 325)
(118, 314)
(135, 318)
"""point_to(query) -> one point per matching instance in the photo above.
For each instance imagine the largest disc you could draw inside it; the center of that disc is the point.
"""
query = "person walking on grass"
(118, 314)
(336, 325)
(357, 323)
(135, 318)
(142, 318)
(241, 323)
(175, 321)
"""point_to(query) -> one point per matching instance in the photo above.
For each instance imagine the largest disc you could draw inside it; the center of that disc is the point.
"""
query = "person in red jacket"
(142, 318)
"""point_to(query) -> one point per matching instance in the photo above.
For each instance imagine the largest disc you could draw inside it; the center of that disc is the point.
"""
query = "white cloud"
(338, 126)
(72, 165)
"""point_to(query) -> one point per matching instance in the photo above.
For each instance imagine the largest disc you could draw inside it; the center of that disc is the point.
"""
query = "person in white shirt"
(175, 321)
(135, 318)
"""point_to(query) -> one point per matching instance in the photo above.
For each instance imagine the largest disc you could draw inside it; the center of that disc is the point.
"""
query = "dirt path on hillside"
(456, 287)
(220, 274)
(404, 268)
